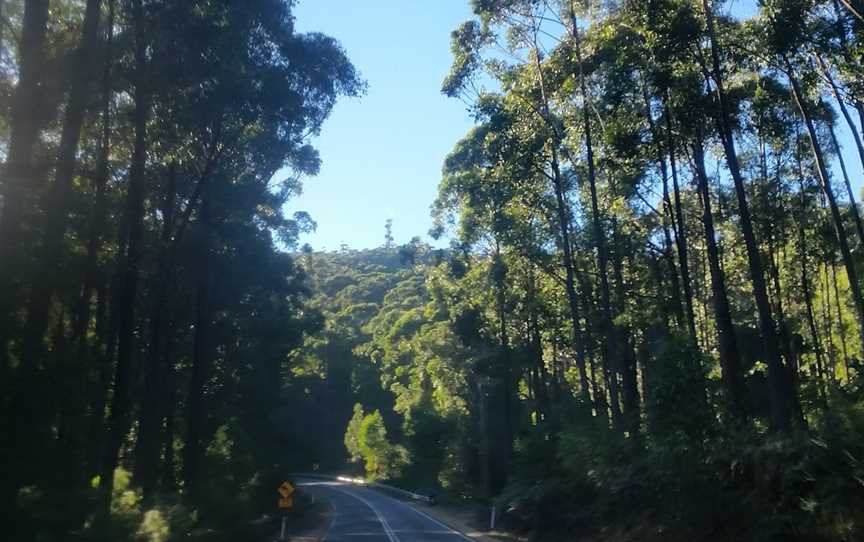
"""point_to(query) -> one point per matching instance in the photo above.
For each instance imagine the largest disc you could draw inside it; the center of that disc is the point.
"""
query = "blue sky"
(382, 153)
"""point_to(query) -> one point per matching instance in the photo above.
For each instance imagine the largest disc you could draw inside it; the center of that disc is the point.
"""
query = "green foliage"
(352, 434)
(366, 441)
(151, 277)
(595, 351)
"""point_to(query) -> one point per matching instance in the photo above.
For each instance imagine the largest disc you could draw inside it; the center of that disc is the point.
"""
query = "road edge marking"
(421, 513)
(332, 522)
(442, 524)
(387, 529)
(332, 519)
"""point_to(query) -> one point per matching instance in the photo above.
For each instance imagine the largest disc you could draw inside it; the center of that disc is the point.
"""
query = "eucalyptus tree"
(529, 98)
(783, 398)
(155, 144)
(774, 25)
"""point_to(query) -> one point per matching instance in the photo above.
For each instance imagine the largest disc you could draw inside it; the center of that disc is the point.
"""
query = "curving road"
(363, 515)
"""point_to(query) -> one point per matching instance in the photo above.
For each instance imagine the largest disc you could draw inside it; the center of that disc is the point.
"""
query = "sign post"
(286, 502)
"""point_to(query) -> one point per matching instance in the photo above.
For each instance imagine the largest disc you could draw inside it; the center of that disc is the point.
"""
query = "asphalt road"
(364, 515)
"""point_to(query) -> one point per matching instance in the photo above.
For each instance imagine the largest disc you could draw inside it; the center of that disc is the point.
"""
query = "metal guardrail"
(362, 482)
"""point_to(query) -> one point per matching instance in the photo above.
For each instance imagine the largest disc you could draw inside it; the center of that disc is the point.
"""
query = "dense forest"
(640, 315)
(147, 299)
(648, 322)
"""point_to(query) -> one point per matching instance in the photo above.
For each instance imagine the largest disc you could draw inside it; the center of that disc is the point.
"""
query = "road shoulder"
(310, 522)
(463, 520)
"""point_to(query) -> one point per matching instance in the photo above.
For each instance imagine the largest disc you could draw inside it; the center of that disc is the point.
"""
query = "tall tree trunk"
(193, 452)
(98, 396)
(629, 376)
(601, 405)
(786, 345)
(781, 393)
(99, 212)
(18, 192)
(49, 267)
(168, 469)
(503, 388)
(542, 390)
(60, 192)
(841, 103)
(853, 205)
(847, 52)
(807, 293)
(730, 357)
(16, 402)
(681, 234)
(118, 421)
(148, 444)
(828, 319)
(668, 213)
(837, 218)
(855, 8)
(841, 328)
(611, 341)
(563, 214)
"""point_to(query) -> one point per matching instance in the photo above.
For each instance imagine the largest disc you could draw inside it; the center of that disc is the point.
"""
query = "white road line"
(440, 524)
(387, 530)
(448, 528)
(332, 522)
(329, 526)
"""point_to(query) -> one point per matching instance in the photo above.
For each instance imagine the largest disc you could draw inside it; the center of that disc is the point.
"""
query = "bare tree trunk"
(855, 8)
(841, 103)
(563, 214)
(503, 387)
(681, 234)
(853, 205)
(193, 452)
(570, 275)
(837, 219)
(51, 260)
(675, 286)
(629, 375)
(97, 224)
(781, 393)
(148, 444)
(840, 327)
(18, 192)
(730, 357)
(828, 319)
(609, 344)
(807, 293)
(121, 402)
(18, 195)
(170, 396)
(99, 212)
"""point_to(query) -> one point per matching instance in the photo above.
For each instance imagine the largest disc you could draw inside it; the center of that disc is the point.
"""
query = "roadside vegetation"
(147, 302)
(640, 318)
(648, 323)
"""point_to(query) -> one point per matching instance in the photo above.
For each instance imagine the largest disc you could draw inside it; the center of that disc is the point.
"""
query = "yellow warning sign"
(286, 490)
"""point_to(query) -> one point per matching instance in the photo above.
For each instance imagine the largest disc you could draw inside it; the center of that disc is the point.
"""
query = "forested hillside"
(649, 321)
(639, 315)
